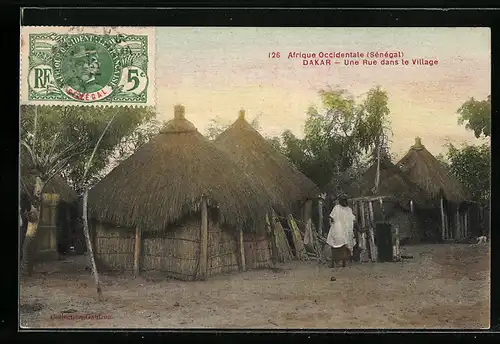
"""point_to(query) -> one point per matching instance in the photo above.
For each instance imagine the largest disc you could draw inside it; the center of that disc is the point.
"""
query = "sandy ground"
(443, 286)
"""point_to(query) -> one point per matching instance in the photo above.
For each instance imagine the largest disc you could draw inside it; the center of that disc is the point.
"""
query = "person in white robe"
(341, 234)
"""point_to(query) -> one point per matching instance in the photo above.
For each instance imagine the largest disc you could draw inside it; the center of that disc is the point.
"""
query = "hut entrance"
(70, 234)
(428, 225)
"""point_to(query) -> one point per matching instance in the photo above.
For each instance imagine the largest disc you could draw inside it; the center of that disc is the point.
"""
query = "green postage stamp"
(88, 66)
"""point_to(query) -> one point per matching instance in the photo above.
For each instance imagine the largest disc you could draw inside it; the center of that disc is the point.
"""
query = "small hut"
(289, 188)
(426, 171)
(180, 206)
(396, 199)
(56, 228)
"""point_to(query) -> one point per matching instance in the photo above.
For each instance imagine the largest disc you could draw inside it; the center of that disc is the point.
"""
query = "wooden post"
(462, 225)
(372, 215)
(449, 225)
(320, 215)
(466, 229)
(362, 210)
(382, 212)
(457, 228)
(360, 214)
(241, 246)
(398, 252)
(202, 272)
(413, 225)
(137, 250)
(274, 248)
(355, 210)
(68, 229)
(443, 227)
(373, 247)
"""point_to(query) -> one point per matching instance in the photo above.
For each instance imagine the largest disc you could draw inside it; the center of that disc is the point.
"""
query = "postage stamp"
(87, 66)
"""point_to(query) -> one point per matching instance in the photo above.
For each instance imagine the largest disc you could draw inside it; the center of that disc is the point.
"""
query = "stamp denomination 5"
(89, 66)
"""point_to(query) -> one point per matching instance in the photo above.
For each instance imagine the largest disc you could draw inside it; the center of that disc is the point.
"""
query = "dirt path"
(443, 286)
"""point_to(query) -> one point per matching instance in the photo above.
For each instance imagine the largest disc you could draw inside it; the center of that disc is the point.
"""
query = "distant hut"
(290, 189)
(179, 205)
(425, 170)
(58, 216)
(396, 199)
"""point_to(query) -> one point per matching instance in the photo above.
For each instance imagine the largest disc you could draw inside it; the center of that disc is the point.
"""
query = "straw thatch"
(424, 169)
(57, 185)
(163, 182)
(274, 171)
(392, 182)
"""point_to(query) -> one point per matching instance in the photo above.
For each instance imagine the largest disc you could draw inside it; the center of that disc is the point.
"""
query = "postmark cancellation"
(87, 66)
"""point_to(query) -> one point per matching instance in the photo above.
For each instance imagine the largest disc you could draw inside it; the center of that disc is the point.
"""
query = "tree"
(275, 142)
(443, 160)
(341, 136)
(471, 165)
(477, 116)
(86, 230)
(57, 139)
(82, 126)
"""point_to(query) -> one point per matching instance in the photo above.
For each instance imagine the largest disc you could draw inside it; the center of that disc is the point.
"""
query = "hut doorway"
(428, 223)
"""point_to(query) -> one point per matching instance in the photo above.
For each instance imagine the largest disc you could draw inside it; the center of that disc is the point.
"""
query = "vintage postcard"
(87, 66)
(255, 177)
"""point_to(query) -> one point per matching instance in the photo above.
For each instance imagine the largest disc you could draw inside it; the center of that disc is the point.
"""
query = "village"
(191, 232)
(235, 188)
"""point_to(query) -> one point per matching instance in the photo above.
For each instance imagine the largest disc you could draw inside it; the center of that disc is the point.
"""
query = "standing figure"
(341, 234)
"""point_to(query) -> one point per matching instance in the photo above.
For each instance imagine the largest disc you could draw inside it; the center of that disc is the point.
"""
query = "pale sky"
(214, 72)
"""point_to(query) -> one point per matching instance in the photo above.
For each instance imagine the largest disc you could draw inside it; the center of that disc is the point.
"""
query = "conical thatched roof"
(166, 178)
(259, 158)
(392, 182)
(57, 185)
(424, 169)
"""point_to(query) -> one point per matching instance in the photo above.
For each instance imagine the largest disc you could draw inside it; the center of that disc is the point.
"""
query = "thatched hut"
(179, 205)
(58, 215)
(396, 200)
(290, 189)
(426, 171)
(258, 157)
